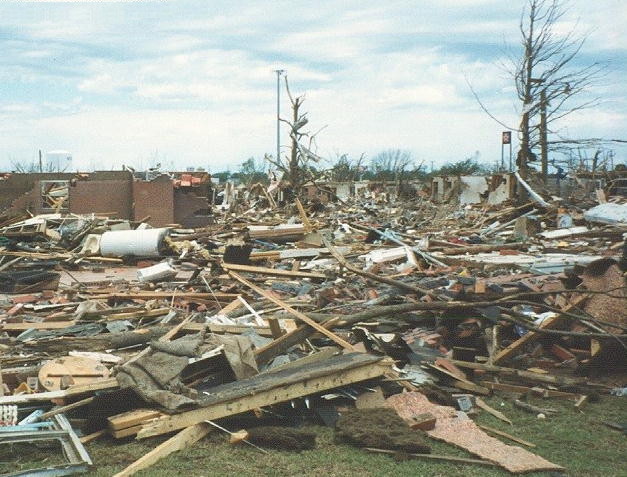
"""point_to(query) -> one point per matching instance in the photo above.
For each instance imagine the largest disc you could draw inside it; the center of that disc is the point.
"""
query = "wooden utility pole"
(543, 137)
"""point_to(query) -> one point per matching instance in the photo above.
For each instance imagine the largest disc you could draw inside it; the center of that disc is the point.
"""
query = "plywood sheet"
(461, 431)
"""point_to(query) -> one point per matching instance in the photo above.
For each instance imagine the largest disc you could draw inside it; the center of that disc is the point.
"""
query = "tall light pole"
(278, 113)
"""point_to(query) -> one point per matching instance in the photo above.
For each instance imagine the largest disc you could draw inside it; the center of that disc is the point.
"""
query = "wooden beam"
(63, 409)
(232, 329)
(93, 436)
(131, 418)
(282, 344)
(460, 382)
(479, 249)
(441, 458)
(180, 441)
(371, 276)
(531, 336)
(100, 385)
(527, 375)
(481, 404)
(303, 216)
(296, 313)
(512, 388)
(271, 271)
(275, 328)
(147, 295)
(272, 388)
(507, 436)
(44, 325)
(58, 256)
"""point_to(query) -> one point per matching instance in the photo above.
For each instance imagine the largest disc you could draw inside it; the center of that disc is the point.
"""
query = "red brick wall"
(185, 204)
(102, 197)
(155, 199)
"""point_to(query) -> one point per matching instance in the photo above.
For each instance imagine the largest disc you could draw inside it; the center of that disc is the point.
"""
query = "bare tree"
(396, 165)
(251, 171)
(548, 82)
(346, 169)
(298, 167)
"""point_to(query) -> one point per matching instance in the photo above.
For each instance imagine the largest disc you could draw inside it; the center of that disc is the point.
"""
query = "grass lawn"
(575, 440)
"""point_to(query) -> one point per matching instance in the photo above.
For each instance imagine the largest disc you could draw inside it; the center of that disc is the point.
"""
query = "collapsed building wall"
(493, 189)
(114, 193)
(18, 187)
(154, 199)
(113, 198)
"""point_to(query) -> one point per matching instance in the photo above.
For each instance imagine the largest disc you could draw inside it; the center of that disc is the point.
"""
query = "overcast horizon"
(192, 83)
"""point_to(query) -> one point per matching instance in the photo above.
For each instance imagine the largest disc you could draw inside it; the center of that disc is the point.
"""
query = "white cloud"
(114, 82)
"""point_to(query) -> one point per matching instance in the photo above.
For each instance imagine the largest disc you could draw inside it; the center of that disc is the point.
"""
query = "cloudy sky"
(191, 83)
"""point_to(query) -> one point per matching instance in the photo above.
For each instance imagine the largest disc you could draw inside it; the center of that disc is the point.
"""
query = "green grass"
(577, 441)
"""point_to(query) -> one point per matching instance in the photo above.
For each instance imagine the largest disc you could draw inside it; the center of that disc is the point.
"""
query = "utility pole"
(543, 137)
(278, 113)
(502, 168)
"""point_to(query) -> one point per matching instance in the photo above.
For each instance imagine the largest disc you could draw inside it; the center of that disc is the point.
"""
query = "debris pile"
(388, 321)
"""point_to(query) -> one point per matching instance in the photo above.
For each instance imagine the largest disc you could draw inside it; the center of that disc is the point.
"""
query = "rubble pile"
(363, 310)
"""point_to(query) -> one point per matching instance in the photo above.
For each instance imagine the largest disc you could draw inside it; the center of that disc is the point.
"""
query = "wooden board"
(273, 272)
(531, 336)
(272, 388)
(148, 295)
(46, 325)
(110, 383)
(183, 439)
(511, 388)
(131, 418)
(76, 370)
(296, 313)
(231, 329)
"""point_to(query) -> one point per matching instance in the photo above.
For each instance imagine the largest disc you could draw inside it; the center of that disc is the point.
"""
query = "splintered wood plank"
(512, 388)
(131, 418)
(148, 295)
(93, 436)
(234, 305)
(272, 388)
(45, 325)
(303, 216)
(180, 441)
(129, 431)
(498, 414)
(109, 383)
(231, 329)
(507, 436)
(531, 336)
(441, 458)
(296, 313)
(276, 272)
(460, 382)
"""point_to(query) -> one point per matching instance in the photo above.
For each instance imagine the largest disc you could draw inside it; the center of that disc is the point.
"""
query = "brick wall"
(154, 199)
(105, 196)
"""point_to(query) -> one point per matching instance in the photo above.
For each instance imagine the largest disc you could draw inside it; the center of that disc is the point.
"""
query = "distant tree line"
(392, 165)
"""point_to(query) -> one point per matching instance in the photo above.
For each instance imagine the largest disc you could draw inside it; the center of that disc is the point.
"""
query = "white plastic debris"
(157, 272)
(609, 213)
